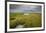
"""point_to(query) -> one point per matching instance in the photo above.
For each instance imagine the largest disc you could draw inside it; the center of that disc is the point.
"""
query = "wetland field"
(26, 20)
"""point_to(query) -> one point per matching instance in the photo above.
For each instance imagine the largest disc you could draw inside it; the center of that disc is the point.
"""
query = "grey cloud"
(25, 8)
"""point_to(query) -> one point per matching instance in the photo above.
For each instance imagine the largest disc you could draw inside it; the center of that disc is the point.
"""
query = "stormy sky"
(25, 8)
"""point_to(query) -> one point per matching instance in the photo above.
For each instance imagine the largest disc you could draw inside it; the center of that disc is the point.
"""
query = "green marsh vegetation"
(29, 21)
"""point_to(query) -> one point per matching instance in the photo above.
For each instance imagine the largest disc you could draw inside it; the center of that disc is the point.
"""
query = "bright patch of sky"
(25, 8)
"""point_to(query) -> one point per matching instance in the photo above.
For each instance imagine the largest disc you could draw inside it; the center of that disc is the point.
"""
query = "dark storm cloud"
(24, 8)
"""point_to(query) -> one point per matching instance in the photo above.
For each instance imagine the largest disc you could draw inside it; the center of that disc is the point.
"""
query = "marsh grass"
(31, 20)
